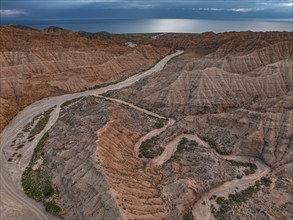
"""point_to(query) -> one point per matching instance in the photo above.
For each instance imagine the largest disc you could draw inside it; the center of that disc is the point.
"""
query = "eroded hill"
(37, 64)
(208, 137)
(238, 100)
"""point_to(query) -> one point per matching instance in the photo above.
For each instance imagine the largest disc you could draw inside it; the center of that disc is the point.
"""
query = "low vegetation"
(160, 123)
(123, 78)
(186, 144)
(37, 184)
(213, 144)
(266, 181)
(41, 123)
(237, 198)
(151, 148)
(29, 126)
(183, 145)
(242, 164)
(108, 84)
(220, 200)
(52, 206)
(251, 167)
(39, 150)
(188, 216)
(69, 102)
(36, 181)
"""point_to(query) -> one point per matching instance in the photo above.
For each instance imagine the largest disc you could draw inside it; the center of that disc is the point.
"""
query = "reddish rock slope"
(37, 64)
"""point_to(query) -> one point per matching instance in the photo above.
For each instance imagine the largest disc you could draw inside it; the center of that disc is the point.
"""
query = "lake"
(159, 25)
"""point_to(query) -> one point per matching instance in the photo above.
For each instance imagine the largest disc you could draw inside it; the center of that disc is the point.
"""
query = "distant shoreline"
(144, 26)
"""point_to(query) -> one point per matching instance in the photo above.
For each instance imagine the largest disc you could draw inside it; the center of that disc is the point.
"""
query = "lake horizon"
(159, 25)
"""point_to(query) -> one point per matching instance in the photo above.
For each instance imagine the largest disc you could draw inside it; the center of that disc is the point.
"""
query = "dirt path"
(151, 134)
(171, 148)
(201, 210)
(11, 187)
(132, 106)
(16, 204)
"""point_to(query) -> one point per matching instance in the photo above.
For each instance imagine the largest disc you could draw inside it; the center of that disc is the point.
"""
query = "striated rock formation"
(237, 96)
(91, 160)
(189, 174)
(264, 135)
(231, 93)
(245, 102)
(37, 64)
(95, 174)
(200, 87)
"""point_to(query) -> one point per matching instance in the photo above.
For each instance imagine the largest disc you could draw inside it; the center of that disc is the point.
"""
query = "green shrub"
(186, 144)
(41, 123)
(183, 141)
(37, 183)
(193, 143)
(52, 207)
(220, 200)
(180, 148)
(251, 166)
(266, 181)
(38, 151)
(28, 126)
(31, 183)
(188, 216)
(160, 123)
(48, 190)
(238, 198)
(248, 171)
(213, 144)
(68, 102)
(150, 148)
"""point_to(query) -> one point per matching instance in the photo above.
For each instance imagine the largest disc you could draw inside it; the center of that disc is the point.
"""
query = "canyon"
(37, 64)
(145, 126)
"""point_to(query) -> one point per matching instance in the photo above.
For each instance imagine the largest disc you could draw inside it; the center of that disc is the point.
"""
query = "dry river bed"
(16, 205)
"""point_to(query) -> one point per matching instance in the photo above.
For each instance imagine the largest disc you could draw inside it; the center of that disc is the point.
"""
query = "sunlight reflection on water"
(162, 25)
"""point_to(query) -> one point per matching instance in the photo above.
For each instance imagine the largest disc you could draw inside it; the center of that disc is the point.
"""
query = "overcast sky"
(134, 9)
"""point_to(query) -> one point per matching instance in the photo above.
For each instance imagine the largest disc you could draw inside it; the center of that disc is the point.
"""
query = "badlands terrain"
(145, 126)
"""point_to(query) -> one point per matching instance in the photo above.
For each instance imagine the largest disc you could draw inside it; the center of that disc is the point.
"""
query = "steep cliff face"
(37, 64)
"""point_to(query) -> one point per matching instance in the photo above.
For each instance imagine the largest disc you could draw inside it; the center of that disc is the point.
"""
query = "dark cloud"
(216, 9)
